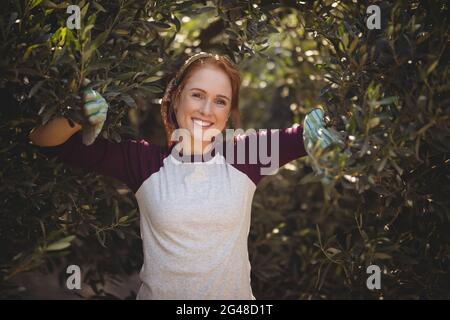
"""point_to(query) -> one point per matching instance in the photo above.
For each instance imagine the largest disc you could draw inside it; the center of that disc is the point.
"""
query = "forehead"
(211, 79)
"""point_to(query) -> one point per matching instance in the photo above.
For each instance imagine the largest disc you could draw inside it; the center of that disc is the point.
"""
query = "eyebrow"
(219, 95)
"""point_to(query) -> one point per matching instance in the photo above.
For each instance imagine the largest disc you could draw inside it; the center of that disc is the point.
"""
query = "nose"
(205, 109)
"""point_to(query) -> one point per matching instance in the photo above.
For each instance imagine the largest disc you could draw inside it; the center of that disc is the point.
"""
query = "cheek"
(222, 116)
(187, 107)
(184, 109)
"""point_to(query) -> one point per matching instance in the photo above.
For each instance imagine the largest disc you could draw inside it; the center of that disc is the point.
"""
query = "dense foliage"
(385, 89)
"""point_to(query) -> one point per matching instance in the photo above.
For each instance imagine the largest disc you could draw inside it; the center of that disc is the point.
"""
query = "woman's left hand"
(317, 138)
(315, 134)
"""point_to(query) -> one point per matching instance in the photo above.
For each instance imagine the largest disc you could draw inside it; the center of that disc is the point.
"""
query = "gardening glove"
(317, 138)
(95, 109)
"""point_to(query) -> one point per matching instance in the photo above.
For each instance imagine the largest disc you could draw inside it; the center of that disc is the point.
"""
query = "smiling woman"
(194, 215)
(206, 83)
(202, 105)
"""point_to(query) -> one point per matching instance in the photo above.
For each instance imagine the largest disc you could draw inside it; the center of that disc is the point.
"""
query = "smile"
(202, 123)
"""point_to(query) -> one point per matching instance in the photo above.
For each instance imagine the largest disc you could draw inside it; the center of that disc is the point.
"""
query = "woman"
(194, 210)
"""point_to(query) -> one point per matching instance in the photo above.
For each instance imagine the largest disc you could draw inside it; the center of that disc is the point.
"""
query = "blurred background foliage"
(385, 90)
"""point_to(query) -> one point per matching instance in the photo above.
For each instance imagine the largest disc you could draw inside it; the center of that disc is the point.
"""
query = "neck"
(194, 147)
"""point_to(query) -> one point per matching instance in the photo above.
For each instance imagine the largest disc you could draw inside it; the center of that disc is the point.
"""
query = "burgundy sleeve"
(290, 147)
(129, 161)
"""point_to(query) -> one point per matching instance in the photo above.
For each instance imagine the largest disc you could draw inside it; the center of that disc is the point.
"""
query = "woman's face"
(205, 103)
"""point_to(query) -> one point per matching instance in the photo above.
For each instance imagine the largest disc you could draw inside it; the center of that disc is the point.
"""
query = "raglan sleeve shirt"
(194, 217)
(129, 161)
(290, 147)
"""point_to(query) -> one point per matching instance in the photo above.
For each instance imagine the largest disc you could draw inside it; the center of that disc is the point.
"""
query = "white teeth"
(202, 123)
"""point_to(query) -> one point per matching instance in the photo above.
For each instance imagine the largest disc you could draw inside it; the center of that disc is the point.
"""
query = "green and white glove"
(95, 109)
(317, 138)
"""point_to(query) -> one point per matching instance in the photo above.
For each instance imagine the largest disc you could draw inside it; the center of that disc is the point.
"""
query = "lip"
(201, 123)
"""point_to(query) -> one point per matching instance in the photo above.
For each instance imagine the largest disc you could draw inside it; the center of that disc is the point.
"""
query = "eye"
(223, 102)
(196, 94)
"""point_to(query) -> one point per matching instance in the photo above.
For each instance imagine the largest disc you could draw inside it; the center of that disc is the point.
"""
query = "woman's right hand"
(95, 109)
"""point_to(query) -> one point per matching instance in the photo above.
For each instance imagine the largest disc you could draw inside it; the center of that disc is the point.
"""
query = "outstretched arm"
(53, 133)
(58, 130)
(284, 145)
(79, 146)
